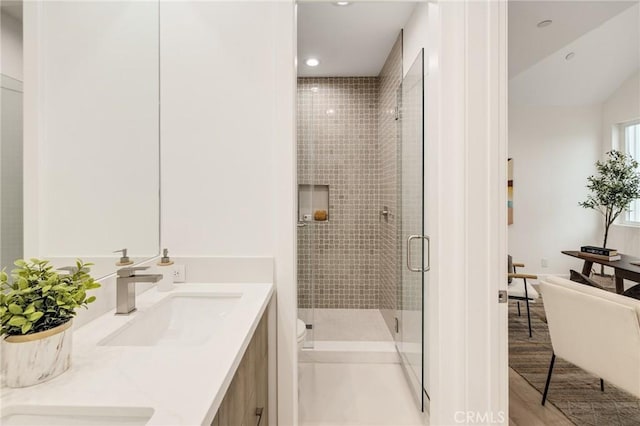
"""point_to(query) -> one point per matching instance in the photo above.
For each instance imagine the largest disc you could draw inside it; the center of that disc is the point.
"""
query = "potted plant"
(613, 189)
(36, 313)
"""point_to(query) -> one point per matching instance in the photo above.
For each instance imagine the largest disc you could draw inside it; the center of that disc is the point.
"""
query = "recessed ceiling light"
(314, 89)
(545, 23)
(570, 56)
(342, 3)
(312, 62)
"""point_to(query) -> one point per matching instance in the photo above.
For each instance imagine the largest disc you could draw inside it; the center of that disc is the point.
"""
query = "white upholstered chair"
(596, 330)
(519, 289)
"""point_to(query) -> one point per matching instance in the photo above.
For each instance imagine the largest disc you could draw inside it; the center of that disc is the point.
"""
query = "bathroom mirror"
(80, 132)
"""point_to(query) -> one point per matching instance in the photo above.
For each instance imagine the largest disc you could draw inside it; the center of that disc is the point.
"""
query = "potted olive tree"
(613, 188)
(36, 313)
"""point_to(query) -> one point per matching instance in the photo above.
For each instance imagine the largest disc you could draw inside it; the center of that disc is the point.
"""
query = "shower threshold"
(358, 351)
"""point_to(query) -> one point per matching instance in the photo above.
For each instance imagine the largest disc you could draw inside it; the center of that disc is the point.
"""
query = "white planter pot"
(35, 358)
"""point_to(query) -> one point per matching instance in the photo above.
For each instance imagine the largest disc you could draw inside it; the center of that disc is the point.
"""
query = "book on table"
(599, 251)
(601, 257)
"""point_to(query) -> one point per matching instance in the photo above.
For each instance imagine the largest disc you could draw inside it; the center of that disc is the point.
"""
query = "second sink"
(39, 415)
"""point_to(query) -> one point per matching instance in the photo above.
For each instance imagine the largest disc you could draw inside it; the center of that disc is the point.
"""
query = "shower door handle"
(422, 269)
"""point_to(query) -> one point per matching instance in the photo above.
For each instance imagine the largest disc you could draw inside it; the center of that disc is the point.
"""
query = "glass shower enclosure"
(339, 221)
(307, 200)
(410, 336)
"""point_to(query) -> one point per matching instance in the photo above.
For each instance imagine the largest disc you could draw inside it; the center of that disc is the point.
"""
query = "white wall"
(228, 165)
(95, 94)
(554, 150)
(469, 350)
(218, 129)
(10, 46)
(623, 105)
(415, 36)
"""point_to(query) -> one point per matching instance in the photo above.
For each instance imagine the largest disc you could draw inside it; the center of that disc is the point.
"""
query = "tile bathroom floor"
(356, 394)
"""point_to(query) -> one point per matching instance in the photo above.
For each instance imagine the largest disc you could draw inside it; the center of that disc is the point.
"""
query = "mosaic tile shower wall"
(388, 136)
(338, 146)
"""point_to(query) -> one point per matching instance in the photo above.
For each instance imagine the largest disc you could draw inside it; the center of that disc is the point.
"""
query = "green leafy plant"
(39, 298)
(615, 186)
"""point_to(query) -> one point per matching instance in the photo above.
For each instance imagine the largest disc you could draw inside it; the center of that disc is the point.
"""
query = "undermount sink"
(38, 415)
(178, 320)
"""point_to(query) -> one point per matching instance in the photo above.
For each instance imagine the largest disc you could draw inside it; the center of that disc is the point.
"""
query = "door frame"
(467, 182)
(466, 139)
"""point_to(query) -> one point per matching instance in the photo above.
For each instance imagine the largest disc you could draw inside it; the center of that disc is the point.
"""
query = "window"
(630, 135)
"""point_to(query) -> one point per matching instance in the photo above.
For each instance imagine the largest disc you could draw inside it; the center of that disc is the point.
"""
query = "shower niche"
(313, 203)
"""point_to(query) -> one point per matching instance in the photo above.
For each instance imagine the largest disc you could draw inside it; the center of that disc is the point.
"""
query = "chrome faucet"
(125, 289)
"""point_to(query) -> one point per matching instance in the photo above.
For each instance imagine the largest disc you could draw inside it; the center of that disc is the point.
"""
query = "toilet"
(302, 332)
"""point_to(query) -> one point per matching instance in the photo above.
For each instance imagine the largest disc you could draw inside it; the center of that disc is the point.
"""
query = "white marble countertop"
(183, 385)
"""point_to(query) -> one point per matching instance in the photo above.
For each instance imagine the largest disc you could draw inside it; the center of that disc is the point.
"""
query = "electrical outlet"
(544, 262)
(179, 274)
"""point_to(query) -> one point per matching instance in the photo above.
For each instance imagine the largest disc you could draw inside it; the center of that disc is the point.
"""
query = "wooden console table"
(623, 267)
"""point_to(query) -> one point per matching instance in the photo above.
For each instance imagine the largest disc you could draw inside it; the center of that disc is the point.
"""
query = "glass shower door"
(414, 243)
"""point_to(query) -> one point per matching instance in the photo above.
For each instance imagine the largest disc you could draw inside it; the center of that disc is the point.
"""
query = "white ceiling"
(529, 44)
(349, 41)
(606, 54)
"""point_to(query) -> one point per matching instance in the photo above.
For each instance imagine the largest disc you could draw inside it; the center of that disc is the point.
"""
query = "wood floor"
(525, 408)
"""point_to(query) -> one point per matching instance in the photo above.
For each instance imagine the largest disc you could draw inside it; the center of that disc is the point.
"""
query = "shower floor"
(348, 335)
(348, 324)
